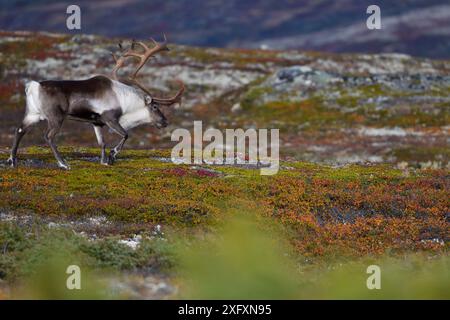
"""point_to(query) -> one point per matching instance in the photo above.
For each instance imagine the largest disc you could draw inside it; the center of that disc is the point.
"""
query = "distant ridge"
(415, 27)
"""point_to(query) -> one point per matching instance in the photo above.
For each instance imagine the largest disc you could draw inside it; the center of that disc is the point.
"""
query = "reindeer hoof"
(64, 166)
(112, 158)
(12, 162)
(104, 161)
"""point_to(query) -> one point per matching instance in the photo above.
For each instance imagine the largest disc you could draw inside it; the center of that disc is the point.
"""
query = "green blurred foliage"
(414, 276)
(241, 263)
(34, 260)
(247, 262)
(246, 258)
(49, 281)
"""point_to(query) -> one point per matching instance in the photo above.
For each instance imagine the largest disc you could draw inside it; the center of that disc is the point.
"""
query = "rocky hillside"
(331, 108)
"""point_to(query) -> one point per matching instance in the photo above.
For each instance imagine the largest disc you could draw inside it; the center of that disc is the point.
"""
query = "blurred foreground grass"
(245, 262)
(34, 260)
(242, 260)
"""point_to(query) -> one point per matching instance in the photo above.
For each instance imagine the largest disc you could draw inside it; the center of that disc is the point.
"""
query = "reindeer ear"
(148, 100)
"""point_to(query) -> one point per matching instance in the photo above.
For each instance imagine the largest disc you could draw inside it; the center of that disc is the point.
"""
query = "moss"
(251, 98)
(239, 58)
(141, 188)
(311, 114)
(316, 113)
(39, 47)
(373, 91)
(414, 154)
(197, 54)
(358, 173)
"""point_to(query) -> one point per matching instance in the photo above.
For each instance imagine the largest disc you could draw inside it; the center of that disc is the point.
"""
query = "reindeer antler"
(143, 58)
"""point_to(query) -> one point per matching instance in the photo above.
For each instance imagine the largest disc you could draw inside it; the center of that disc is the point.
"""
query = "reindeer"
(100, 100)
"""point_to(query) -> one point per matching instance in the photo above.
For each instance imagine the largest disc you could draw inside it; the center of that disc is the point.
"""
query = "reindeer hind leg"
(54, 126)
(27, 122)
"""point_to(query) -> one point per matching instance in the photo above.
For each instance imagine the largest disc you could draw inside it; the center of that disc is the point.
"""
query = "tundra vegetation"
(363, 180)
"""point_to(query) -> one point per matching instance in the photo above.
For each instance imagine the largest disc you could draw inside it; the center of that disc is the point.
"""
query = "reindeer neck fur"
(132, 104)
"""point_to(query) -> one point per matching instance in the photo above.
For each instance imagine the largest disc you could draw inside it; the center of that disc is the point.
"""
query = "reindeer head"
(153, 103)
(159, 120)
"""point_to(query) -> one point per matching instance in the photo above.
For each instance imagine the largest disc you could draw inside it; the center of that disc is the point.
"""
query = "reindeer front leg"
(101, 143)
(113, 124)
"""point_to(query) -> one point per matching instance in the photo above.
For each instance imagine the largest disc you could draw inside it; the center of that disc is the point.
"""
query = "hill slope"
(329, 108)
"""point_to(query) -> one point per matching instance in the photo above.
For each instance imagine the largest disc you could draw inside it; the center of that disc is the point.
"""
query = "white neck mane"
(132, 103)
